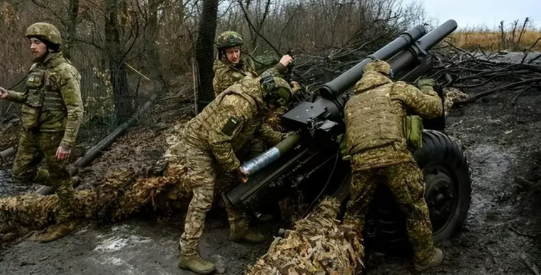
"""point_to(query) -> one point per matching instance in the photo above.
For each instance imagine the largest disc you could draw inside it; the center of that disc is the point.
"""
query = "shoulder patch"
(230, 126)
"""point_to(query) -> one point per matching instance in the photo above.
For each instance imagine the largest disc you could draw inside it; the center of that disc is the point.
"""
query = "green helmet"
(229, 39)
(378, 66)
(276, 89)
(44, 31)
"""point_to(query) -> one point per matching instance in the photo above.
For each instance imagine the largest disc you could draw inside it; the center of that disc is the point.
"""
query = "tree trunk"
(153, 31)
(117, 67)
(204, 52)
(181, 12)
(72, 28)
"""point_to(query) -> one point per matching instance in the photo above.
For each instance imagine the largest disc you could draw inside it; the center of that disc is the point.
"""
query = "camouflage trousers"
(405, 181)
(33, 148)
(202, 174)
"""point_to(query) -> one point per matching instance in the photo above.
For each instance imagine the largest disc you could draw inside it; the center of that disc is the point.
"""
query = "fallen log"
(318, 244)
(7, 153)
(95, 151)
(122, 194)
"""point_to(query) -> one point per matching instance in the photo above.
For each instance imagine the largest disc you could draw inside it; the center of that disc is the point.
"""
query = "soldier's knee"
(202, 206)
(201, 201)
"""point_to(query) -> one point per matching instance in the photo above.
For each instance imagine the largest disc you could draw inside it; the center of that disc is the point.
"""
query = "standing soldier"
(379, 152)
(230, 67)
(214, 141)
(51, 113)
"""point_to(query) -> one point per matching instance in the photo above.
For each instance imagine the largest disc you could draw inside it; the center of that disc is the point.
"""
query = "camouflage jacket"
(227, 74)
(52, 100)
(231, 120)
(374, 119)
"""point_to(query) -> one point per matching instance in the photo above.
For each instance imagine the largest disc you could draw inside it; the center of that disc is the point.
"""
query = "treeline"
(117, 44)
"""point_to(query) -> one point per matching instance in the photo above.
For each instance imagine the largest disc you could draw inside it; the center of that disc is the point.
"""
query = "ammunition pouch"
(413, 131)
(30, 117)
(344, 148)
(31, 109)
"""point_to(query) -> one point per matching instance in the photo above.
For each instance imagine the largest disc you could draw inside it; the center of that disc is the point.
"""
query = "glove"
(426, 82)
(344, 150)
(295, 86)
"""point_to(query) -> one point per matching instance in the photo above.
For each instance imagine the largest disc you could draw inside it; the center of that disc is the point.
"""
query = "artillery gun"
(310, 163)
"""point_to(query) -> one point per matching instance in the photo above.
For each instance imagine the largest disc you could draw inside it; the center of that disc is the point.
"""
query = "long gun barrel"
(404, 54)
(321, 120)
(346, 80)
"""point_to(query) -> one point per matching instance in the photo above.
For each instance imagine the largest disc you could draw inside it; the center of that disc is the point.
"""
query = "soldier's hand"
(295, 86)
(286, 60)
(3, 93)
(241, 175)
(62, 153)
(426, 82)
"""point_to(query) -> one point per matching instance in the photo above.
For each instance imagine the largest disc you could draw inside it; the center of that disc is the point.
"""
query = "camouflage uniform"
(214, 141)
(379, 153)
(51, 113)
(226, 73)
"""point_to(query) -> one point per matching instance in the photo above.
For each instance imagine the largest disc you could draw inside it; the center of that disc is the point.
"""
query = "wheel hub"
(441, 197)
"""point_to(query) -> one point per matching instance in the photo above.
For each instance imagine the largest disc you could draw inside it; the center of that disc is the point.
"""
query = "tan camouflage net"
(317, 245)
(452, 95)
(121, 195)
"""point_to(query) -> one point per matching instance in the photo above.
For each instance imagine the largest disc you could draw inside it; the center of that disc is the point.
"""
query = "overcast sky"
(483, 12)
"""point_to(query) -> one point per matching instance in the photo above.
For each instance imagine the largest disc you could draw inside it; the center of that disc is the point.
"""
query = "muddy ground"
(502, 234)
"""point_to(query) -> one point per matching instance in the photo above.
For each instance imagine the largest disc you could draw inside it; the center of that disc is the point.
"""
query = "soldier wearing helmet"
(231, 66)
(51, 114)
(214, 143)
(379, 147)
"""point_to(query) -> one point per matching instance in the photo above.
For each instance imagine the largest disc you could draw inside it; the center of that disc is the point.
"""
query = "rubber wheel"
(448, 183)
(447, 192)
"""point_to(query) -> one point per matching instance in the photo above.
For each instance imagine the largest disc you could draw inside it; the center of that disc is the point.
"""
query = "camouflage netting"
(452, 95)
(317, 245)
(121, 195)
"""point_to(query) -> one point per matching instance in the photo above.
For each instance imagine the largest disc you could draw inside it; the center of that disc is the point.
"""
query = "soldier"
(214, 141)
(379, 152)
(51, 113)
(230, 67)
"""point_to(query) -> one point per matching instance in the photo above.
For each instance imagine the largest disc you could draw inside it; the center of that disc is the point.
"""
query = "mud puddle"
(133, 247)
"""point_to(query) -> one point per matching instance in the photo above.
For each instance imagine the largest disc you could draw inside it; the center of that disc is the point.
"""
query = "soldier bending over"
(213, 143)
(379, 153)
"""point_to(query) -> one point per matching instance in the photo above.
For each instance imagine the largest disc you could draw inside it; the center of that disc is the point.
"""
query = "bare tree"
(204, 50)
(71, 33)
(116, 56)
(152, 34)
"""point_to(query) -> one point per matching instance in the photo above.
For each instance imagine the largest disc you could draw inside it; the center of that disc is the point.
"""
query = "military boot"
(435, 259)
(196, 264)
(246, 236)
(56, 232)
